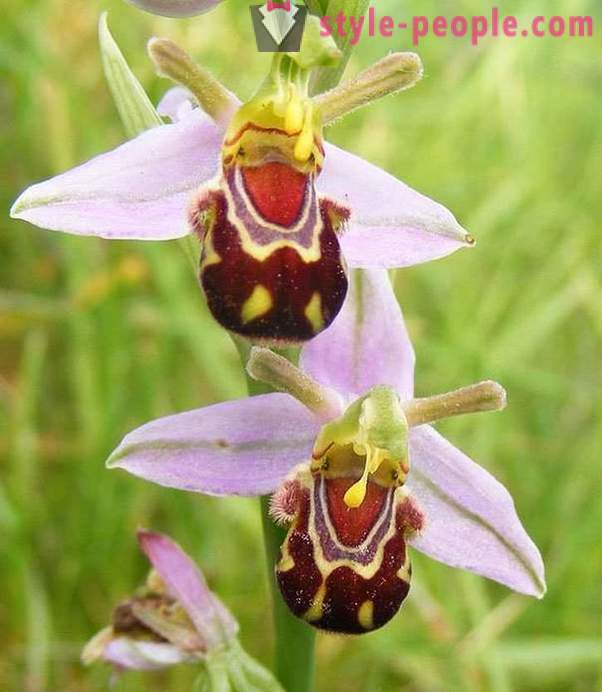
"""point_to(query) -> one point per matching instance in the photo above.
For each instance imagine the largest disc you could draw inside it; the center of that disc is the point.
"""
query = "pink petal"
(367, 344)
(471, 519)
(243, 447)
(186, 583)
(176, 104)
(140, 190)
(124, 652)
(391, 224)
(175, 8)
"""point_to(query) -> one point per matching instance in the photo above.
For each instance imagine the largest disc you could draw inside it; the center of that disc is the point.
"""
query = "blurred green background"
(98, 337)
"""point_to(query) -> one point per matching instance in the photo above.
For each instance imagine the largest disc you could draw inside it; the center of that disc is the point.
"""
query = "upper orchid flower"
(357, 471)
(175, 618)
(175, 8)
(279, 213)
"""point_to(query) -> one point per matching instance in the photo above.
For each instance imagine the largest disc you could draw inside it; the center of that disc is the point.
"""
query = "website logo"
(278, 26)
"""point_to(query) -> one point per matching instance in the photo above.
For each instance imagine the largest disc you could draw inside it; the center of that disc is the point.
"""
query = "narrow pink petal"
(367, 344)
(391, 224)
(140, 190)
(176, 103)
(186, 584)
(471, 519)
(130, 654)
(175, 8)
(243, 447)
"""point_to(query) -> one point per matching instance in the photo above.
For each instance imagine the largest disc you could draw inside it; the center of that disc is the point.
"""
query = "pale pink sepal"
(139, 191)
(391, 225)
(243, 447)
(367, 344)
(471, 519)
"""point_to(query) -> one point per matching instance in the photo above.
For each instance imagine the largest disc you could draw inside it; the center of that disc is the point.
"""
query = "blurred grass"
(98, 337)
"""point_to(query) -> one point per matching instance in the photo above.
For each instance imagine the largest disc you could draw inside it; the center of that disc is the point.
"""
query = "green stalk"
(294, 639)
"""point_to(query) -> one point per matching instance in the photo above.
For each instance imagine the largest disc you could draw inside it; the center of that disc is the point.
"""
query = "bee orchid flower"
(174, 618)
(357, 472)
(279, 213)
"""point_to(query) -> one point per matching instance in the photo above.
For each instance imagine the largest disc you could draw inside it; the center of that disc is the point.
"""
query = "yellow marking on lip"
(305, 142)
(209, 256)
(286, 563)
(315, 611)
(365, 615)
(257, 304)
(404, 572)
(313, 312)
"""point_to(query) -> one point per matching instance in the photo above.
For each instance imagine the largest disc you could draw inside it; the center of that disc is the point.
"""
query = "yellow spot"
(293, 117)
(210, 256)
(286, 563)
(257, 304)
(357, 492)
(365, 615)
(305, 141)
(313, 312)
(403, 572)
(315, 611)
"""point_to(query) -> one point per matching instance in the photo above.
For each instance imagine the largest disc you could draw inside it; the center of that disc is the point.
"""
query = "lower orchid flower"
(175, 618)
(356, 471)
(279, 214)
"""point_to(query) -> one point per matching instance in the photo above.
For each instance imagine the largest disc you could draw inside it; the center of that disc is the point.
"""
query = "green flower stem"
(295, 640)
